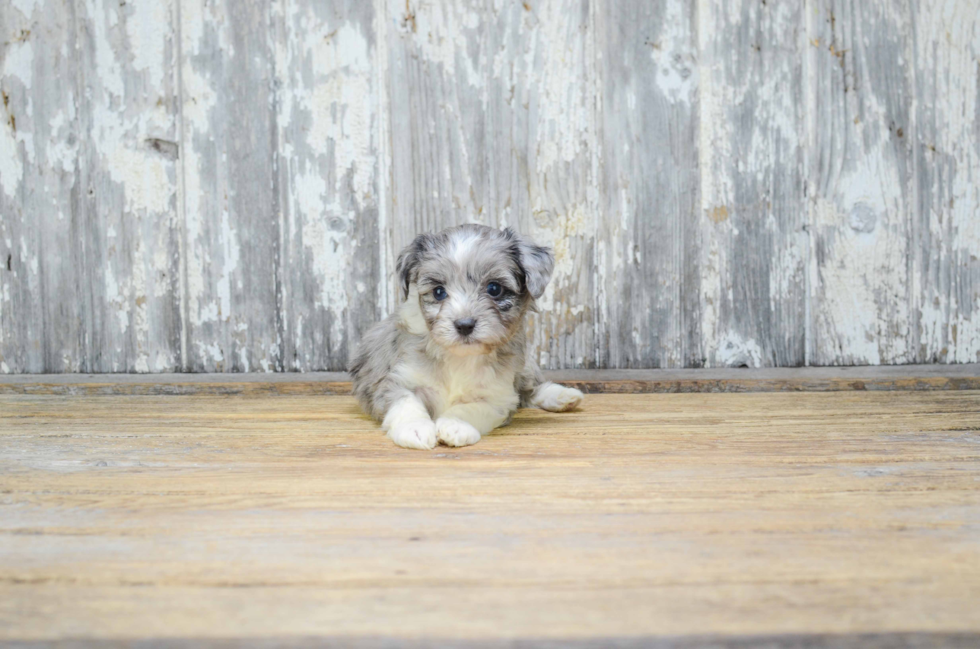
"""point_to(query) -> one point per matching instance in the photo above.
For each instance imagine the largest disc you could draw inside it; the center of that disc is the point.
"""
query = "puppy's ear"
(536, 261)
(409, 259)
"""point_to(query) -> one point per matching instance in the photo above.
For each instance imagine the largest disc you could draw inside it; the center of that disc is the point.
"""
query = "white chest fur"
(454, 381)
(451, 380)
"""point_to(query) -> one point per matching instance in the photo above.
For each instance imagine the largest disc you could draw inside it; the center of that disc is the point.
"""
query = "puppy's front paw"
(455, 432)
(420, 434)
(558, 398)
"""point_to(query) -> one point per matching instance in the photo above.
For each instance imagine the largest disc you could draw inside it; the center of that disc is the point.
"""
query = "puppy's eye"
(439, 293)
(494, 289)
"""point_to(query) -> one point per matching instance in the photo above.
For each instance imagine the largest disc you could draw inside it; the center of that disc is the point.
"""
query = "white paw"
(558, 398)
(420, 434)
(455, 432)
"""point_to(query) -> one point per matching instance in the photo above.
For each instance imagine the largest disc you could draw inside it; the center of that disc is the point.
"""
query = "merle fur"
(524, 269)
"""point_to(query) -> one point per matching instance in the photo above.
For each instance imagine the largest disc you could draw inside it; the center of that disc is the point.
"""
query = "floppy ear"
(408, 261)
(536, 261)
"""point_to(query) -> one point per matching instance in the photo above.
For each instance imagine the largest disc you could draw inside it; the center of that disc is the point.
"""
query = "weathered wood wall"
(223, 185)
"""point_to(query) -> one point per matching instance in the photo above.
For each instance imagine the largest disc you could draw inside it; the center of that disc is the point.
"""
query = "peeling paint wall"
(223, 185)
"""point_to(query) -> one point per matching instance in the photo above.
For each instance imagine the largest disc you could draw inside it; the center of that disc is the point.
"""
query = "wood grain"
(327, 156)
(39, 186)
(860, 161)
(231, 230)
(946, 219)
(640, 516)
(436, 80)
(753, 245)
(126, 232)
(223, 186)
(647, 239)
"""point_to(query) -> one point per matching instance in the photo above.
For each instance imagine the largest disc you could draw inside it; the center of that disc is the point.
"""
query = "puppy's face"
(474, 284)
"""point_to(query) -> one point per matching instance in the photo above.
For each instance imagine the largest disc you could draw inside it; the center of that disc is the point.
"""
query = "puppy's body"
(450, 364)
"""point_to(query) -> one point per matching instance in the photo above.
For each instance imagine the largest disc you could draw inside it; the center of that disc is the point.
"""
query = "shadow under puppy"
(450, 365)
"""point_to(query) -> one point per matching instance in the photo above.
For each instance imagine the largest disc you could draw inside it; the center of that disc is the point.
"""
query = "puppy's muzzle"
(465, 326)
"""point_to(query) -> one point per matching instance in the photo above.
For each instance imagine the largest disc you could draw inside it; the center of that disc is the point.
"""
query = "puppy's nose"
(465, 326)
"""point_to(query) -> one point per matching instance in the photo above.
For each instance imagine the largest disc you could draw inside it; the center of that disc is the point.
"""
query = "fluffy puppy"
(450, 365)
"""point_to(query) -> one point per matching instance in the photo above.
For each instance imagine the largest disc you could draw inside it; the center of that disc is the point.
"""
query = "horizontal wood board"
(809, 520)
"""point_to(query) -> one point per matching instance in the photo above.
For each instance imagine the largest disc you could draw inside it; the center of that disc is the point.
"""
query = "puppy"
(450, 365)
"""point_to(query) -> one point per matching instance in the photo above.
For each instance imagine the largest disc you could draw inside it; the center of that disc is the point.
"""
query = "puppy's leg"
(537, 392)
(408, 423)
(464, 423)
(555, 397)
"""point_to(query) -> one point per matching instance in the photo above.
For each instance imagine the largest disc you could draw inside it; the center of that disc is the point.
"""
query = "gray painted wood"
(327, 157)
(859, 166)
(753, 243)
(89, 149)
(39, 317)
(945, 228)
(224, 186)
(231, 230)
(647, 239)
(127, 234)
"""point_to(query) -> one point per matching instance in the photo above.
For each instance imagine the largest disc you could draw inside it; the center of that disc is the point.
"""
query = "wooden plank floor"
(820, 518)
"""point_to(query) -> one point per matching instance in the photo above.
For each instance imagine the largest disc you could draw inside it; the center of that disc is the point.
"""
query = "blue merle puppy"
(451, 364)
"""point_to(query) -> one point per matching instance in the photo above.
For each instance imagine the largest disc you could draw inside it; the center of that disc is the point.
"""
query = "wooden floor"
(813, 519)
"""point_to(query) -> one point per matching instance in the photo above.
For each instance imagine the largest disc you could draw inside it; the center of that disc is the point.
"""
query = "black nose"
(465, 326)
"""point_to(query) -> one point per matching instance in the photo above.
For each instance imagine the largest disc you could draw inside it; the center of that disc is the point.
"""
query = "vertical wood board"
(327, 157)
(858, 178)
(39, 187)
(945, 230)
(231, 226)
(753, 243)
(126, 231)
(648, 272)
